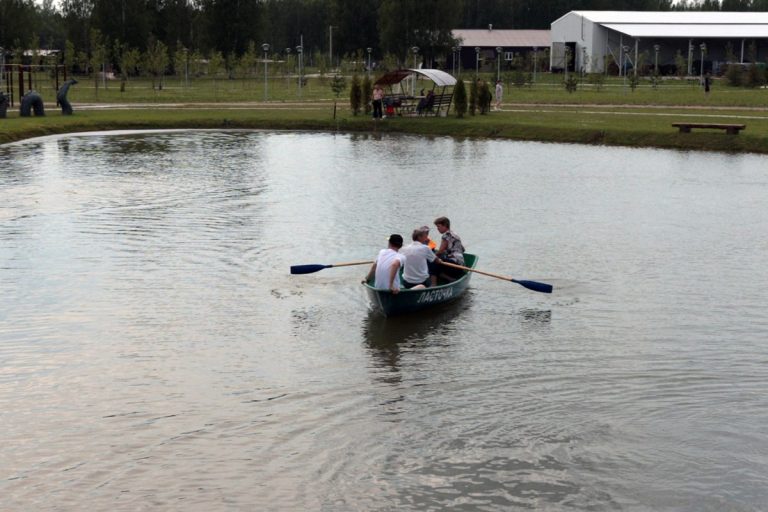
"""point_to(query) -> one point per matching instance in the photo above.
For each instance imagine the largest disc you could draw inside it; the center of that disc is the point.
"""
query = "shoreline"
(612, 125)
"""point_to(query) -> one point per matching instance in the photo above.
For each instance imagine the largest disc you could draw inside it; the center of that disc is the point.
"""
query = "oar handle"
(350, 264)
(461, 267)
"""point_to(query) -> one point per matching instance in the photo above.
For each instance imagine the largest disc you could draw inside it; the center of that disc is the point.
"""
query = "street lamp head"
(477, 49)
(287, 51)
(265, 47)
(299, 49)
(369, 49)
(703, 47)
(499, 49)
(656, 47)
(415, 49)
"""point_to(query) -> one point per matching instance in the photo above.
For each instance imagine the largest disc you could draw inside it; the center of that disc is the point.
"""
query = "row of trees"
(228, 26)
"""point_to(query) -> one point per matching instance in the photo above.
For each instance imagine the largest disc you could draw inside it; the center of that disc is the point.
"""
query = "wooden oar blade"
(535, 286)
(307, 269)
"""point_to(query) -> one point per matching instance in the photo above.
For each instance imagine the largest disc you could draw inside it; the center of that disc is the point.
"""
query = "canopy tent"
(441, 78)
(408, 103)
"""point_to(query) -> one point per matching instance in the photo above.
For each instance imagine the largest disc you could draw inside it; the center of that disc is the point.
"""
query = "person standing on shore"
(378, 96)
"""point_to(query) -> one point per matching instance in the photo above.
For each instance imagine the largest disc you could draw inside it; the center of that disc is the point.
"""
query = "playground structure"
(13, 77)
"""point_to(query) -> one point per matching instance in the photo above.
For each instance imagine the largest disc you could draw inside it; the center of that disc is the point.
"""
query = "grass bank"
(610, 125)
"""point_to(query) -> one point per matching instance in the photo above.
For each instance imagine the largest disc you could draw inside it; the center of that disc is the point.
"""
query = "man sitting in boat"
(417, 256)
(386, 268)
(451, 250)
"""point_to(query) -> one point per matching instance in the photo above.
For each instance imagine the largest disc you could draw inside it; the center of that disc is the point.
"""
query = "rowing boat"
(409, 301)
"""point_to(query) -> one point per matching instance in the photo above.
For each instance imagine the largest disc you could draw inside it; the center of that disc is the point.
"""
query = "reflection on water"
(149, 326)
(388, 338)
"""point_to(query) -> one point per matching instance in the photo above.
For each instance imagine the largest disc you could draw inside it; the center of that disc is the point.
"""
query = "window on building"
(509, 55)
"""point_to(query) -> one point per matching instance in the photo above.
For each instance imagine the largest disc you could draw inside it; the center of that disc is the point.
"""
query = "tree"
(427, 25)
(460, 99)
(472, 97)
(680, 65)
(156, 61)
(69, 56)
(754, 73)
(215, 65)
(355, 95)
(338, 84)
(484, 97)
(128, 59)
(98, 56)
(76, 18)
(367, 94)
(181, 62)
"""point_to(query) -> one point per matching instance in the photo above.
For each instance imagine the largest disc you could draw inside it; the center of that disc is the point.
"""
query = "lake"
(155, 352)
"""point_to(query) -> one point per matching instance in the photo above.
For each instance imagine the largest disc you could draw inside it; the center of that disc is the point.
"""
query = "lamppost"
(656, 49)
(415, 50)
(567, 61)
(498, 62)
(285, 68)
(535, 61)
(330, 46)
(265, 47)
(690, 59)
(703, 47)
(369, 50)
(626, 58)
(453, 61)
(477, 61)
(300, 55)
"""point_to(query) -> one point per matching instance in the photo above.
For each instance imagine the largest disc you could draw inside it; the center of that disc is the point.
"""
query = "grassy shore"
(612, 116)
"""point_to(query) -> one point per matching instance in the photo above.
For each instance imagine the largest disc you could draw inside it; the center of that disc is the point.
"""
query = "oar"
(309, 269)
(531, 285)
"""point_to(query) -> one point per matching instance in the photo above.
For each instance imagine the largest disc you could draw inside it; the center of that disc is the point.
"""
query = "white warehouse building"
(626, 40)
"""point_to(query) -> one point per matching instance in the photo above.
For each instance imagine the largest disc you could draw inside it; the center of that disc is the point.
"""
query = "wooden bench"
(732, 129)
(440, 105)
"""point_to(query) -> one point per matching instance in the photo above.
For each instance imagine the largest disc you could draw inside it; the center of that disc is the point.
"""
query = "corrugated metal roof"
(675, 17)
(504, 38)
(694, 31)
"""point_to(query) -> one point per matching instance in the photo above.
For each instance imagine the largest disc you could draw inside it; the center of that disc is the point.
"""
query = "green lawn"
(614, 115)
(547, 90)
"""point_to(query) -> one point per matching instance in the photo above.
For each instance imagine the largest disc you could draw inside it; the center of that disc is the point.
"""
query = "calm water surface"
(155, 353)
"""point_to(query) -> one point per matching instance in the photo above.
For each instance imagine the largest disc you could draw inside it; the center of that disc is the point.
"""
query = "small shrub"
(355, 95)
(734, 75)
(338, 84)
(473, 98)
(571, 83)
(367, 94)
(460, 99)
(597, 80)
(634, 81)
(518, 78)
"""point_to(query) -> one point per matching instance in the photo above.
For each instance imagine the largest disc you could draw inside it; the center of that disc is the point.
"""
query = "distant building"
(624, 40)
(479, 46)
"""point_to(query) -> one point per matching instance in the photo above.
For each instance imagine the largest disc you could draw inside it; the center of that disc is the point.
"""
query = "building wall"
(593, 41)
(583, 38)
